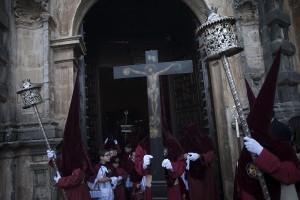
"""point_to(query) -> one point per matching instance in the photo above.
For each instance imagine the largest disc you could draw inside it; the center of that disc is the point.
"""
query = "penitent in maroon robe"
(277, 161)
(139, 156)
(174, 192)
(200, 176)
(74, 162)
(178, 164)
(205, 187)
(74, 186)
(134, 178)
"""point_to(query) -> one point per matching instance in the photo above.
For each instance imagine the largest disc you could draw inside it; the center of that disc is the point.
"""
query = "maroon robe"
(74, 186)
(139, 159)
(200, 176)
(204, 188)
(174, 191)
(136, 179)
(129, 167)
(119, 191)
(279, 165)
(178, 165)
(127, 164)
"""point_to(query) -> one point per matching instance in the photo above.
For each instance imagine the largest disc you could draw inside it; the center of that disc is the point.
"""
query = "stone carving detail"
(240, 3)
(31, 13)
(246, 9)
(39, 180)
(256, 77)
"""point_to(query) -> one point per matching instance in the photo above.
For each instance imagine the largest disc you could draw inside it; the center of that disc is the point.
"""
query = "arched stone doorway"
(227, 159)
(121, 35)
(118, 33)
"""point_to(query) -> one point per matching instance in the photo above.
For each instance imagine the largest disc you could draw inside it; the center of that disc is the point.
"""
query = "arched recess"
(81, 11)
(197, 7)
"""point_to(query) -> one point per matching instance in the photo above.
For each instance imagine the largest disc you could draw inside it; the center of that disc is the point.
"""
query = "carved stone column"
(66, 60)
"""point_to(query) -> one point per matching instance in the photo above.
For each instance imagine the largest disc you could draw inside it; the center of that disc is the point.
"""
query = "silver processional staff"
(30, 93)
(220, 41)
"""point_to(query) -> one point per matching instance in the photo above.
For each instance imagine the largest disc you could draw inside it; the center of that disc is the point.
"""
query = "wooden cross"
(152, 70)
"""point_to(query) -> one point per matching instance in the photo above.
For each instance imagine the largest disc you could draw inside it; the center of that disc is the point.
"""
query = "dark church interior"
(117, 33)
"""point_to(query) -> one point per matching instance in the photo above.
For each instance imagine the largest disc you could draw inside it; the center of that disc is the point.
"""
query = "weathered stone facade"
(42, 41)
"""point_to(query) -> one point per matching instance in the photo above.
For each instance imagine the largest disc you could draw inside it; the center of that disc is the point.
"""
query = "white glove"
(51, 154)
(167, 164)
(116, 141)
(188, 162)
(57, 177)
(146, 161)
(119, 178)
(193, 156)
(252, 145)
(114, 181)
(105, 140)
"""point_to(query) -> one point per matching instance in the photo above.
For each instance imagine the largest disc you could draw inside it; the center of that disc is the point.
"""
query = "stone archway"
(68, 38)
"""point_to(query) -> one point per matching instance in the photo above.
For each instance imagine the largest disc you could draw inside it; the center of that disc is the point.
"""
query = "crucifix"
(152, 70)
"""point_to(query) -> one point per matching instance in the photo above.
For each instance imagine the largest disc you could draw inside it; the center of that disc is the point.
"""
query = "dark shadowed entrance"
(118, 33)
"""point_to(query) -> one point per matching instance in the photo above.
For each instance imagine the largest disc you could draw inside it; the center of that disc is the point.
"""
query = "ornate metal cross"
(152, 70)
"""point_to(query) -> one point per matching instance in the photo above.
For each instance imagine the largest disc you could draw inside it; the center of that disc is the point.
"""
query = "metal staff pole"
(30, 93)
(235, 116)
(220, 41)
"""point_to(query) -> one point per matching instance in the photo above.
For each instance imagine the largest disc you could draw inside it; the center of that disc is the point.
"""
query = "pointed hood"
(259, 121)
(74, 154)
(259, 118)
(198, 142)
(174, 148)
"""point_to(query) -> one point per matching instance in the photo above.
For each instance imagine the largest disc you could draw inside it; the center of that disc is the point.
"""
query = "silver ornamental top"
(219, 36)
(30, 93)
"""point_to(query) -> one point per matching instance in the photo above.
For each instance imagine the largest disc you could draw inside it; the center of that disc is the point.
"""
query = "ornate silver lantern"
(30, 93)
(219, 36)
(221, 41)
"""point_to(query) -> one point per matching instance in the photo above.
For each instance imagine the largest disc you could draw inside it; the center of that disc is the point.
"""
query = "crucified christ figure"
(153, 86)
